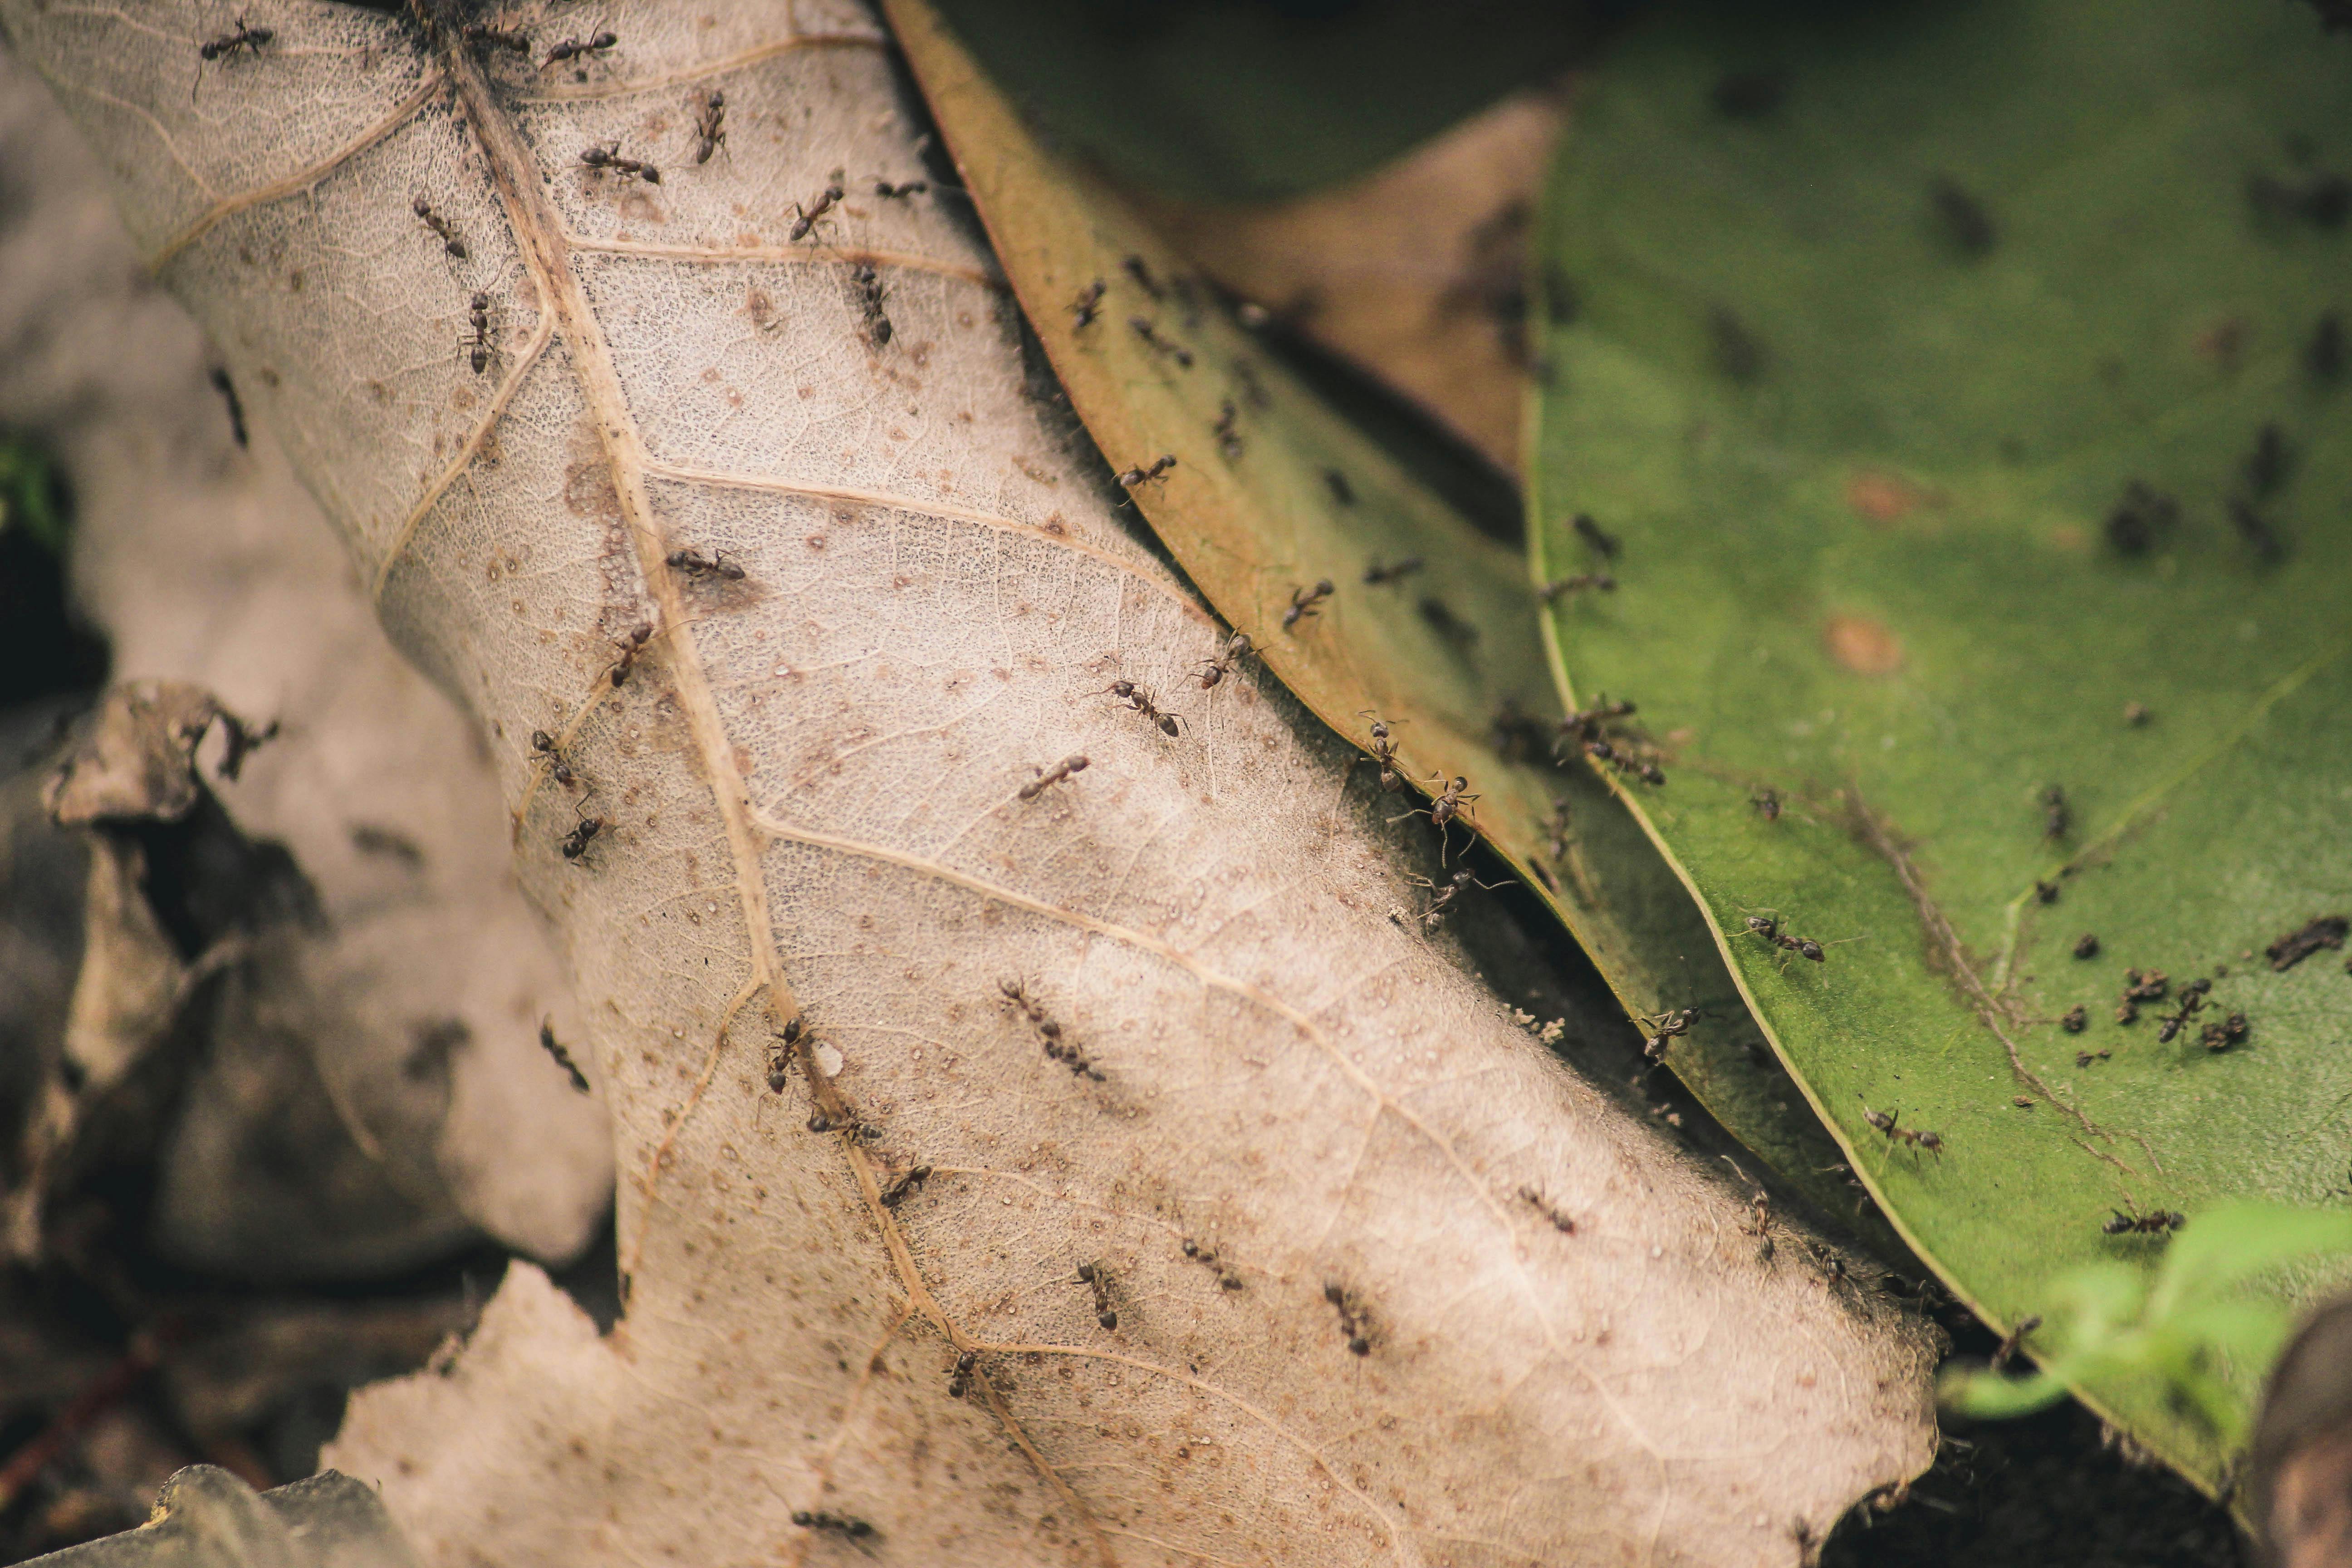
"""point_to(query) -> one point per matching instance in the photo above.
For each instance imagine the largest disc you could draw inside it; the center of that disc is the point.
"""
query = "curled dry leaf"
(392, 1040)
(821, 938)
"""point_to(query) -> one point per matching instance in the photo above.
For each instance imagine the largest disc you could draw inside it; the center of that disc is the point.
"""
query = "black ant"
(558, 769)
(1152, 340)
(1097, 1278)
(610, 158)
(1353, 1321)
(870, 291)
(553, 1048)
(1599, 581)
(1206, 1256)
(1560, 1221)
(1442, 899)
(439, 225)
(244, 37)
(1087, 305)
(1140, 272)
(1376, 575)
(576, 842)
(1555, 831)
(1048, 777)
(718, 564)
(1606, 751)
(1770, 929)
(1137, 697)
(496, 39)
(2013, 1341)
(629, 646)
(2154, 1222)
(1606, 545)
(900, 191)
(1665, 1026)
(1210, 672)
(573, 48)
(1449, 803)
(1305, 601)
(903, 1185)
(1049, 1032)
(1142, 476)
(805, 219)
(1884, 1120)
(1759, 1210)
(710, 126)
(2191, 1001)
(1384, 753)
(477, 316)
(1229, 440)
(960, 1384)
(849, 1527)
(780, 1051)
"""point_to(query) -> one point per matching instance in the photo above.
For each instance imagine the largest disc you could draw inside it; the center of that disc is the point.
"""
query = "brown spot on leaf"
(1883, 497)
(1862, 645)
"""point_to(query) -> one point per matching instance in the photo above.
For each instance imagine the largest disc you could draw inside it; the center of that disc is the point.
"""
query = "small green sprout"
(2181, 1325)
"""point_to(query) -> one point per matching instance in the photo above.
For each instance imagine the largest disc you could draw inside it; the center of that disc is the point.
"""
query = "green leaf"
(1247, 102)
(1441, 655)
(1862, 377)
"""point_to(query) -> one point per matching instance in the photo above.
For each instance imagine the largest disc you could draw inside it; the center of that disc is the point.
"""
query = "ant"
(1048, 777)
(1048, 1031)
(1560, 1222)
(2154, 1222)
(960, 1384)
(1305, 601)
(1555, 831)
(2191, 1001)
(610, 158)
(718, 564)
(868, 284)
(1353, 1321)
(900, 191)
(805, 219)
(1140, 272)
(576, 842)
(849, 1527)
(560, 771)
(1152, 340)
(1604, 545)
(904, 1184)
(1087, 305)
(1375, 574)
(1384, 753)
(1139, 699)
(1665, 1026)
(779, 1055)
(573, 48)
(1770, 929)
(1885, 1121)
(1602, 750)
(1767, 802)
(2056, 817)
(1207, 1257)
(482, 33)
(1229, 440)
(1445, 807)
(1443, 898)
(629, 646)
(1154, 474)
(553, 1048)
(1210, 672)
(1600, 581)
(440, 225)
(710, 126)
(1760, 1206)
(478, 317)
(1098, 1277)
(246, 38)
(2014, 1340)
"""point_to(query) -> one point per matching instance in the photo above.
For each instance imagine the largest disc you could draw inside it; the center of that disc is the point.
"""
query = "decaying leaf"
(1418, 635)
(1027, 1161)
(395, 1024)
(206, 1518)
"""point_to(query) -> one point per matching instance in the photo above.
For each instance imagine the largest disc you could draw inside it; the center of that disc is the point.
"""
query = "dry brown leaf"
(1284, 1281)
